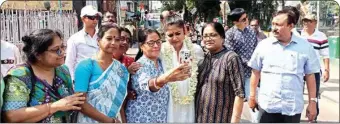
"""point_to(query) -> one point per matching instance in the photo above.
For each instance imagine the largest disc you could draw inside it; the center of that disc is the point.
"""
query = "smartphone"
(185, 56)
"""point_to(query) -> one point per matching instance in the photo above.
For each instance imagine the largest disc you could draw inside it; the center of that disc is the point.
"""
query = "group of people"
(98, 82)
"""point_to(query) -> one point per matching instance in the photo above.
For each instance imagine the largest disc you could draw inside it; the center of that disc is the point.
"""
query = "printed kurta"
(220, 80)
(148, 107)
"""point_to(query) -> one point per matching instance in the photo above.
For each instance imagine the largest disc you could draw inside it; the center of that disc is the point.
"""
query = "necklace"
(168, 59)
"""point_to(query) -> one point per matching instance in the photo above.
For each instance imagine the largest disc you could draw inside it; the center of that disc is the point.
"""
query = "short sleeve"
(255, 61)
(236, 75)
(324, 51)
(312, 64)
(82, 75)
(16, 94)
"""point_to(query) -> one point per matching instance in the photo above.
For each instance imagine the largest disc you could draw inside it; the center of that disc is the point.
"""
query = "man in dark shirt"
(242, 39)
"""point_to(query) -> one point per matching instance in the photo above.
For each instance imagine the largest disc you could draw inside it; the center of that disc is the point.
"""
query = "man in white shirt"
(320, 44)
(83, 44)
(10, 56)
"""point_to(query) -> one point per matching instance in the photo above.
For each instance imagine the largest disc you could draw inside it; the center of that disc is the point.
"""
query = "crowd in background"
(182, 72)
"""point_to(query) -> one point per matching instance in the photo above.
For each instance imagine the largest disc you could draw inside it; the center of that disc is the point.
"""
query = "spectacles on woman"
(152, 43)
(211, 36)
(58, 50)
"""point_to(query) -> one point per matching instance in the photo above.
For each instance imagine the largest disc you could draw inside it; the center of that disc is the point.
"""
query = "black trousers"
(279, 118)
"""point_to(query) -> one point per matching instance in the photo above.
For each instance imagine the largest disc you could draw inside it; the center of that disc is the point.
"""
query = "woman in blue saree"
(103, 80)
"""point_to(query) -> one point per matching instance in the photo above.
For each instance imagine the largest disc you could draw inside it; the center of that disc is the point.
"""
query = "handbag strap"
(33, 81)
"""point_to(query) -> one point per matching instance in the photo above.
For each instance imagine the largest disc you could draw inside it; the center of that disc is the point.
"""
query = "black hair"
(295, 11)
(236, 14)
(125, 30)
(217, 26)
(174, 19)
(290, 14)
(105, 28)
(142, 39)
(114, 13)
(38, 42)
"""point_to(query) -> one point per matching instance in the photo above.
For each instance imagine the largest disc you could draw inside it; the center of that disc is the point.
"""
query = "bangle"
(49, 109)
(155, 85)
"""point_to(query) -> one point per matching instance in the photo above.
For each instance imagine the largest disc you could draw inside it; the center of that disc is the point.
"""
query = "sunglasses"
(152, 43)
(92, 17)
(177, 34)
(244, 19)
(59, 50)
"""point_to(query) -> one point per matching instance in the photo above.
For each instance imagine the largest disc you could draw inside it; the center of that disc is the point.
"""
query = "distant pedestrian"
(255, 25)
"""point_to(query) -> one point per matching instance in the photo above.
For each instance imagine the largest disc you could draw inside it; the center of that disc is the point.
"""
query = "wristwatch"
(314, 99)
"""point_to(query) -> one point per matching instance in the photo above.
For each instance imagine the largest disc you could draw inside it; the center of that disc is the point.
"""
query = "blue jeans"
(255, 116)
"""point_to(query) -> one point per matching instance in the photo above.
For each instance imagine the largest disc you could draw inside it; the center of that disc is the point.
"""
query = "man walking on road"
(282, 62)
(83, 44)
(242, 39)
(320, 44)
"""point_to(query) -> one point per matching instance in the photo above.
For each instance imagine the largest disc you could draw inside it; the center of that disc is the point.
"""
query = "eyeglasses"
(244, 19)
(254, 25)
(177, 34)
(152, 43)
(307, 21)
(92, 17)
(59, 50)
(127, 39)
(211, 36)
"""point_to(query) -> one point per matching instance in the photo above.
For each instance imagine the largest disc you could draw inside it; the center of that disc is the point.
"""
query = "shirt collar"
(293, 39)
(85, 33)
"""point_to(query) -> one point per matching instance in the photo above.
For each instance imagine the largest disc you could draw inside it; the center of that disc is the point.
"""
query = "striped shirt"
(319, 42)
(220, 79)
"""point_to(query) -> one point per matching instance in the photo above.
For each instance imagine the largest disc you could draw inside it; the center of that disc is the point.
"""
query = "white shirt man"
(83, 44)
(10, 56)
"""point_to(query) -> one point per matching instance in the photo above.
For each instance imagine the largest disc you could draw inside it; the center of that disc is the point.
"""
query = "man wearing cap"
(320, 44)
(83, 44)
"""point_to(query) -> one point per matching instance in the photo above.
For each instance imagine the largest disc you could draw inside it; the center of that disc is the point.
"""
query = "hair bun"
(26, 39)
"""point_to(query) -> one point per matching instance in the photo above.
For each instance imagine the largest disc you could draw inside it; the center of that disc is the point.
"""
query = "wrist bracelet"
(49, 109)
(155, 85)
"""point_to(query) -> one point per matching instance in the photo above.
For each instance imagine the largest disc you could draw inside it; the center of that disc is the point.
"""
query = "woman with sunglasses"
(103, 80)
(182, 92)
(220, 78)
(41, 89)
(151, 82)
